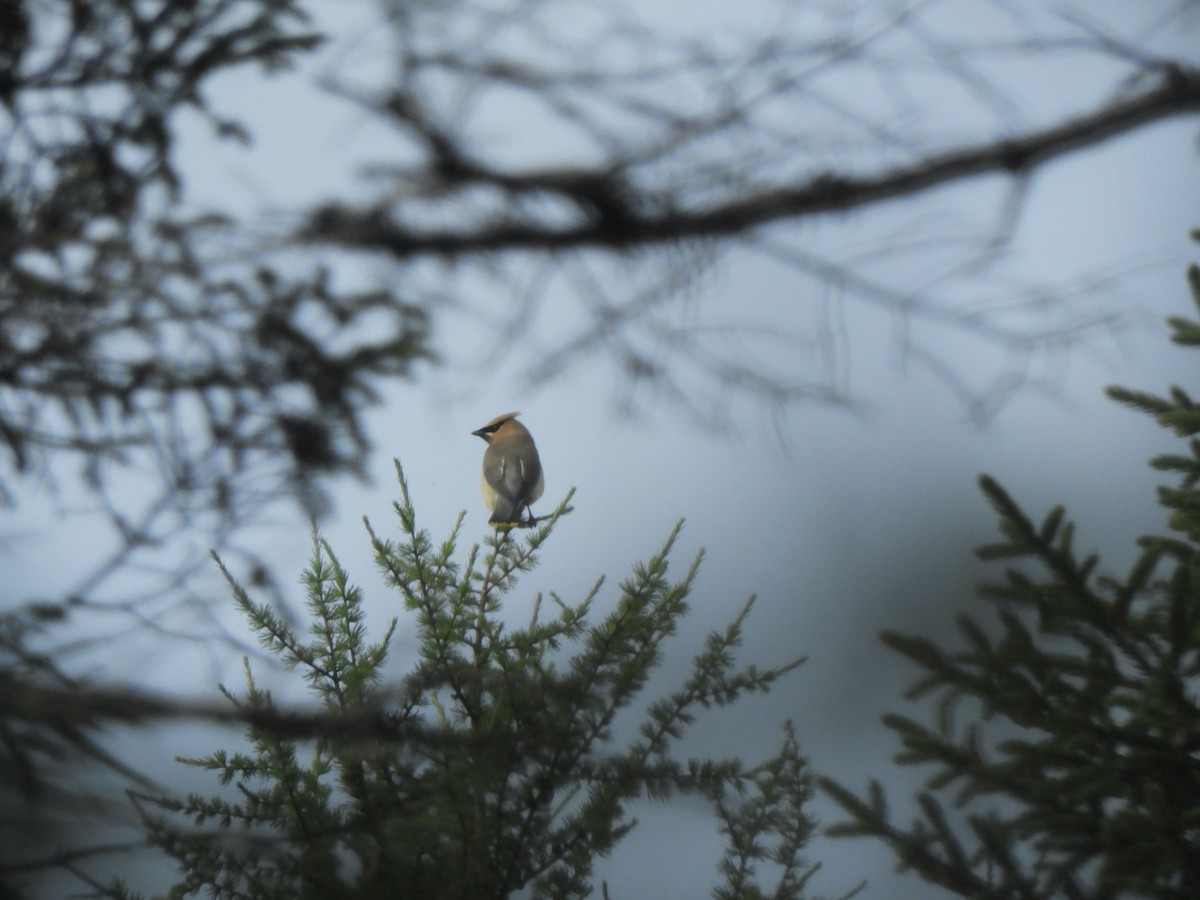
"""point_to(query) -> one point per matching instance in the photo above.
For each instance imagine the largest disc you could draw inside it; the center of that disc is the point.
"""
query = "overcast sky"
(843, 522)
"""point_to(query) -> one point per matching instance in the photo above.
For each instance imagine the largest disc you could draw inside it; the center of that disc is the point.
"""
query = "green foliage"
(493, 766)
(1091, 788)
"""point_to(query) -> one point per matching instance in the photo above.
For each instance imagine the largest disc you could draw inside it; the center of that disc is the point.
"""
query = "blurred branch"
(617, 223)
(80, 707)
(594, 156)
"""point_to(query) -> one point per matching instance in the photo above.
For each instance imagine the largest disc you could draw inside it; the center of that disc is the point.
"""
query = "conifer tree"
(1093, 681)
(493, 766)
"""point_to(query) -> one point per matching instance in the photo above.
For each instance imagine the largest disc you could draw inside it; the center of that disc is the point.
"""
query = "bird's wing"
(504, 479)
(512, 479)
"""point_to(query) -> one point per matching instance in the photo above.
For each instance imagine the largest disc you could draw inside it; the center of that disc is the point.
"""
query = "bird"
(512, 472)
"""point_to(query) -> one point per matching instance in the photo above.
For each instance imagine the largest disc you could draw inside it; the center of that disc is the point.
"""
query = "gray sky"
(843, 523)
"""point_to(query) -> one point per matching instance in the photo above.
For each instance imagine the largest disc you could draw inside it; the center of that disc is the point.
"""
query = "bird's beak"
(479, 433)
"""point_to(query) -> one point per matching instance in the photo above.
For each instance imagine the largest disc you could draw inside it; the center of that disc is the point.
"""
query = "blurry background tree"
(182, 367)
(1065, 751)
(149, 355)
(613, 159)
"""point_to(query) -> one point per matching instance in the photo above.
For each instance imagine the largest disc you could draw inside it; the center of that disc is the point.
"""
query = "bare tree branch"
(619, 224)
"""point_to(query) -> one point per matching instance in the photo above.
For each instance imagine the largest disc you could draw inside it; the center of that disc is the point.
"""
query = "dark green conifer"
(1077, 772)
(494, 766)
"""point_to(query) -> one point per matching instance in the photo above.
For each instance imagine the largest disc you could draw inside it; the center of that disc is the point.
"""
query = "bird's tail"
(505, 513)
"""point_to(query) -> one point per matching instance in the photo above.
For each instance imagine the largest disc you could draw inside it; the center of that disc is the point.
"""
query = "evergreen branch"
(937, 856)
(273, 633)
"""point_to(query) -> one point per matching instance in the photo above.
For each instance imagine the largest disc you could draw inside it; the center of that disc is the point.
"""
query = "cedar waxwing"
(512, 472)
